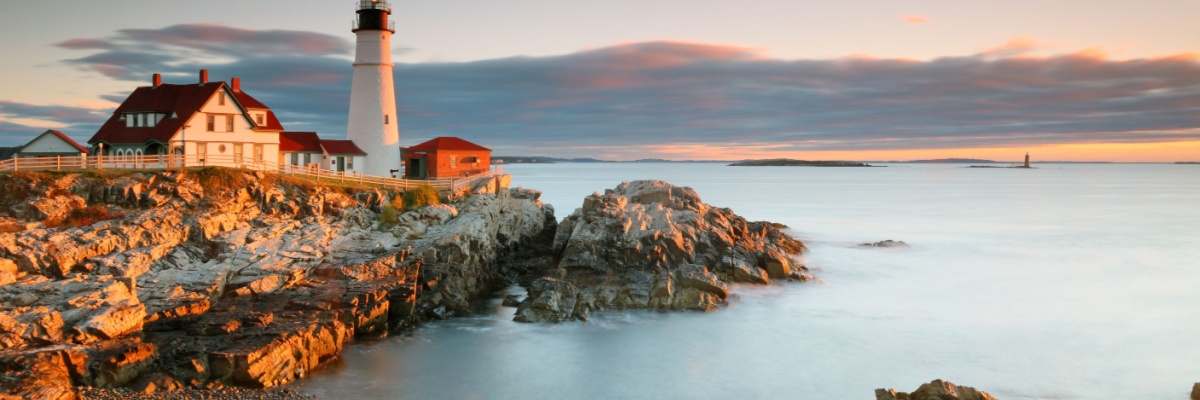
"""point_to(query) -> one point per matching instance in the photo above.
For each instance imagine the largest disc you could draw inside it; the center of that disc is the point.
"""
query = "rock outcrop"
(885, 244)
(936, 390)
(653, 245)
(214, 277)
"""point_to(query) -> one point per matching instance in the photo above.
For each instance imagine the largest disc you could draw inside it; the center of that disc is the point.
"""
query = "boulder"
(551, 300)
(654, 245)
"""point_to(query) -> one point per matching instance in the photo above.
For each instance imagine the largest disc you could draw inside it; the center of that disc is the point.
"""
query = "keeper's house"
(209, 123)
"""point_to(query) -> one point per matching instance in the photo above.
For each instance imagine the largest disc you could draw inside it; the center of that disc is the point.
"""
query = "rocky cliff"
(936, 390)
(217, 277)
(653, 245)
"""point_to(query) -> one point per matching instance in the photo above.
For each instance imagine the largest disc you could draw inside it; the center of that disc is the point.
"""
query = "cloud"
(634, 99)
(132, 54)
(1017, 46)
(915, 19)
(78, 122)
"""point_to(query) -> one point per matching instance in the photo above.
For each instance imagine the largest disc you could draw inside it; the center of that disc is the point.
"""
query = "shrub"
(420, 196)
(388, 216)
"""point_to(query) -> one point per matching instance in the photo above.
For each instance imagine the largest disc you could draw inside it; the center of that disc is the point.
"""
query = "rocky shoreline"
(196, 283)
(218, 278)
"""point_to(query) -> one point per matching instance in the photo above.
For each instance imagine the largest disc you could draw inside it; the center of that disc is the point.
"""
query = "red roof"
(60, 135)
(183, 100)
(341, 147)
(447, 143)
(250, 102)
(305, 142)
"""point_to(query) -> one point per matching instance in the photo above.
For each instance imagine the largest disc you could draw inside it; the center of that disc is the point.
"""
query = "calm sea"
(1068, 281)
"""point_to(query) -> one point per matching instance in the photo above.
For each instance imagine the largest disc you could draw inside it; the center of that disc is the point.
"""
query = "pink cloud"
(915, 19)
(1017, 46)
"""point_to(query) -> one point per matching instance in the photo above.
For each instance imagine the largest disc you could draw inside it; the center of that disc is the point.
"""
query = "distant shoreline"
(786, 162)
(556, 160)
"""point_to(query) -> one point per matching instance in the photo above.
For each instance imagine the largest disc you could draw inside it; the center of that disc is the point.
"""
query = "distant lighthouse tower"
(372, 124)
(1026, 160)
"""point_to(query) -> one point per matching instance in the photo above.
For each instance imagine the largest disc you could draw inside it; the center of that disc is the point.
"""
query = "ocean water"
(1068, 281)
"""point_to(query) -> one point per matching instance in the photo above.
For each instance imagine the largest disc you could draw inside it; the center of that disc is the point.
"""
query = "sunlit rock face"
(225, 277)
(936, 390)
(654, 245)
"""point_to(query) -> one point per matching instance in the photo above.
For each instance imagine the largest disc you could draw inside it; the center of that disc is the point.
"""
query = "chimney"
(203, 76)
(236, 83)
(157, 80)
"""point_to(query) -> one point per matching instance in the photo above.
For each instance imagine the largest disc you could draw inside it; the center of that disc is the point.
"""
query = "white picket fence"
(312, 171)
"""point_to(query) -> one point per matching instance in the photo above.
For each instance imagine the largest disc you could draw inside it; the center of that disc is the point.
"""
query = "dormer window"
(142, 120)
(221, 101)
(260, 119)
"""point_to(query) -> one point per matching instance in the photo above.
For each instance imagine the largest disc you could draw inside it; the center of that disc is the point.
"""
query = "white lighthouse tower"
(372, 124)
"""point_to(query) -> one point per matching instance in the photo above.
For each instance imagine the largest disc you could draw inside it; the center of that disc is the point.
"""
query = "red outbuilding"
(445, 157)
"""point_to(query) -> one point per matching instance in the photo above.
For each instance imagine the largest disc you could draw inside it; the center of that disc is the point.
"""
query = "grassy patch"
(421, 196)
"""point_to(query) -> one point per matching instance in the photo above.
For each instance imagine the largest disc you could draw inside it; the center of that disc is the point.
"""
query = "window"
(453, 161)
(212, 122)
(258, 153)
(350, 163)
(260, 119)
(295, 158)
(228, 123)
(201, 151)
(221, 101)
(307, 158)
(130, 121)
(237, 152)
(385, 119)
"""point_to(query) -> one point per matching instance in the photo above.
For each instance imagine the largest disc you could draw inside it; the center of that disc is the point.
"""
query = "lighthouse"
(372, 123)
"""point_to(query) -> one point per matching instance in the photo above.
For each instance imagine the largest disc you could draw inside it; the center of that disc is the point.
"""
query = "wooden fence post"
(58, 163)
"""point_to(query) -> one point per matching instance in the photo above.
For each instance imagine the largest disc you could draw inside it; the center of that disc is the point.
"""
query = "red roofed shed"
(445, 157)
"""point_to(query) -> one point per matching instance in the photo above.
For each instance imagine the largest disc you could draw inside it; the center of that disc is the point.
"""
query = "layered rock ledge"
(654, 245)
(935, 390)
(213, 277)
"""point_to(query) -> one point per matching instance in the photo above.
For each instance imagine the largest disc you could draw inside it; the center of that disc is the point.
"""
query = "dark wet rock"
(511, 300)
(936, 390)
(653, 245)
(885, 244)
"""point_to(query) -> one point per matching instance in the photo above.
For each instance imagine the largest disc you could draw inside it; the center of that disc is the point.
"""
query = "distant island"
(1188, 162)
(787, 162)
(552, 160)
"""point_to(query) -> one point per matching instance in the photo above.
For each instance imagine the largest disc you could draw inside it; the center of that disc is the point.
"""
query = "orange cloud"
(1017, 46)
(915, 19)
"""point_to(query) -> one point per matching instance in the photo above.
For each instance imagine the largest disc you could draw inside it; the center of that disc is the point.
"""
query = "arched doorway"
(155, 153)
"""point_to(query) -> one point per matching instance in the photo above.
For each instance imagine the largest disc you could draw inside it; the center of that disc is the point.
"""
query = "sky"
(1070, 80)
